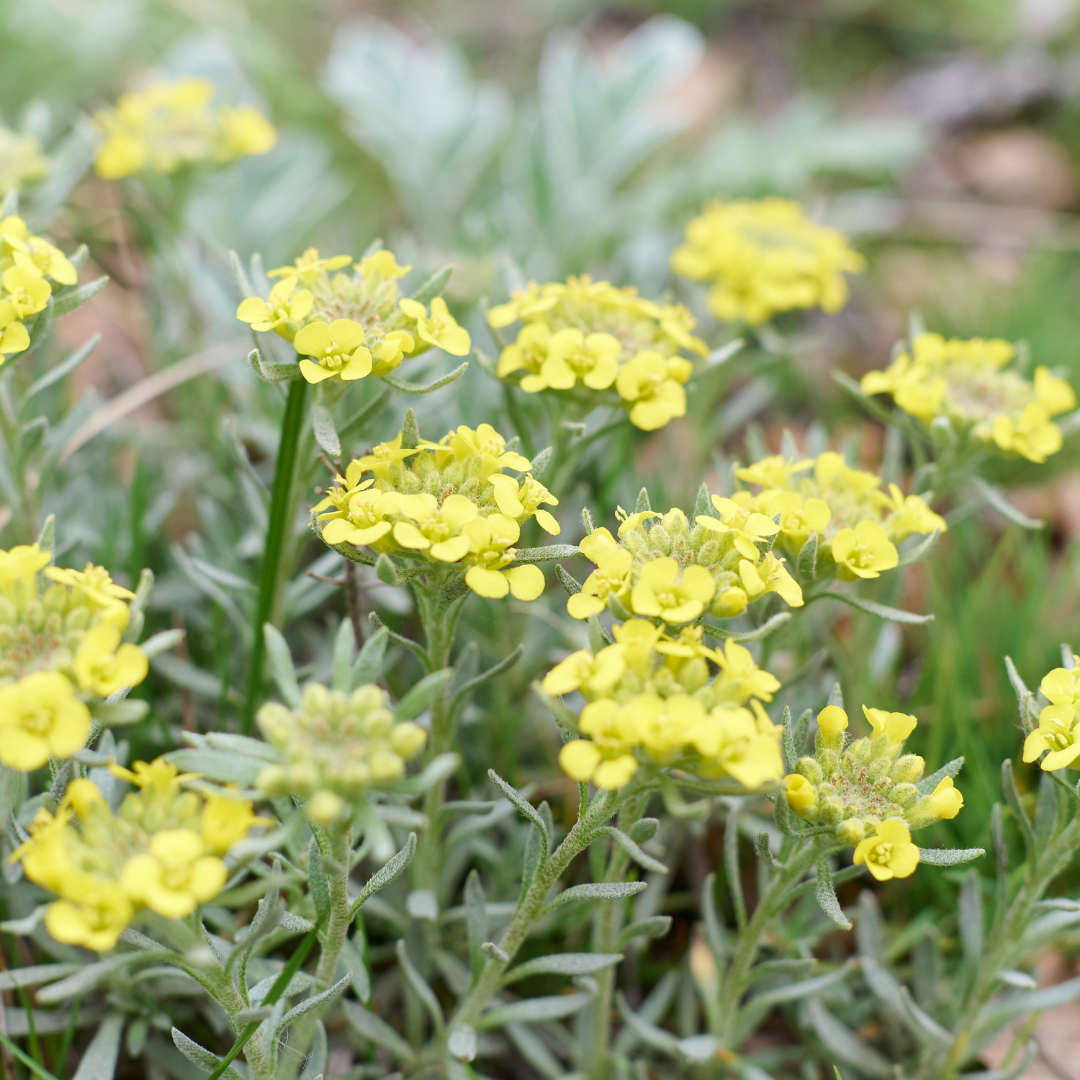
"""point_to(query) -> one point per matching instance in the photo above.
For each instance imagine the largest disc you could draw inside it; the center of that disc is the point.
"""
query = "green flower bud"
(908, 768)
(831, 809)
(829, 760)
(851, 831)
(315, 700)
(904, 795)
(808, 767)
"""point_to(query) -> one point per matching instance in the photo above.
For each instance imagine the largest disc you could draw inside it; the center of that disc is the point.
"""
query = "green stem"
(9, 429)
(772, 902)
(606, 936)
(337, 929)
(282, 507)
(583, 833)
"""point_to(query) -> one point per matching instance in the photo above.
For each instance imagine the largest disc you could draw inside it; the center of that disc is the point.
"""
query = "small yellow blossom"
(764, 257)
(832, 720)
(281, 311)
(310, 266)
(945, 800)
(592, 360)
(665, 593)
(95, 920)
(800, 793)
(21, 161)
(439, 328)
(25, 292)
(864, 551)
(174, 875)
(895, 726)
(337, 349)
(102, 665)
(593, 675)
(1059, 722)
(434, 528)
(652, 386)
(41, 718)
(889, 852)
(490, 553)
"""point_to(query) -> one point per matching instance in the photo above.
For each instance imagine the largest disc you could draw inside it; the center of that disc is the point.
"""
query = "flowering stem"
(606, 937)
(337, 928)
(282, 504)
(580, 836)
(772, 902)
(9, 429)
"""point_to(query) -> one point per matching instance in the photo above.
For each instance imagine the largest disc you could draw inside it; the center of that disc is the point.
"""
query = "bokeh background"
(526, 139)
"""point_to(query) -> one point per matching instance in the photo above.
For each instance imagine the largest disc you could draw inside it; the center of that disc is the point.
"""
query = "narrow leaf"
(633, 850)
(376, 1029)
(603, 890)
(533, 1009)
(382, 877)
(523, 805)
(562, 964)
(98, 1061)
(882, 611)
(281, 665)
(423, 694)
(826, 897)
(407, 387)
(325, 432)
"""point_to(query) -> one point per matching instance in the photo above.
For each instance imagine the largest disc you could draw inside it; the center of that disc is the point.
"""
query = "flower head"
(1059, 722)
(889, 852)
(22, 163)
(764, 257)
(336, 349)
(41, 718)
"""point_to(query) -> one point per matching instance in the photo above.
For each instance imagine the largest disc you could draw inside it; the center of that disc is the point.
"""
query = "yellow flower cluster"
(586, 336)
(60, 649)
(1059, 723)
(655, 698)
(765, 257)
(448, 504)
(29, 268)
(335, 747)
(967, 384)
(663, 568)
(162, 852)
(172, 124)
(349, 326)
(856, 523)
(868, 791)
(21, 161)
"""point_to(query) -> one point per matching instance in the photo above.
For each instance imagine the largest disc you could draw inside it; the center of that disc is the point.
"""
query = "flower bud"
(904, 795)
(801, 795)
(386, 767)
(808, 767)
(406, 739)
(908, 768)
(315, 700)
(851, 831)
(303, 777)
(829, 760)
(832, 809)
(324, 807)
(694, 674)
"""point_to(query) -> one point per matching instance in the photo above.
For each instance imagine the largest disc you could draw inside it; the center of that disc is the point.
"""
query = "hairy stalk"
(282, 506)
(580, 836)
(771, 903)
(606, 939)
(1004, 950)
(337, 928)
(9, 430)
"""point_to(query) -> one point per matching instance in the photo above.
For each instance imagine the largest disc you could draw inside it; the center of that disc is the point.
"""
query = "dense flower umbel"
(857, 524)
(444, 503)
(765, 257)
(969, 384)
(161, 852)
(588, 337)
(867, 790)
(668, 701)
(172, 124)
(667, 569)
(1059, 723)
(336, 747)
(21, 161)
(350, 325)
(60, 650)
(31, 269)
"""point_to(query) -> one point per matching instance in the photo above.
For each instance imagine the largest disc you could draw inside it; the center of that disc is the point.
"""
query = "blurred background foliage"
(532, 139)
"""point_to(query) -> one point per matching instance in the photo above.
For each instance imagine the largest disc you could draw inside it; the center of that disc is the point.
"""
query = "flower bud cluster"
(61, 651)
(662, 567)
(966, 385)
(173, 124)
(764, 257)
(447, 504)
(857, 525)
(21, 161)
(335, 747)
(163, 852)
(347, 326)
(1059, 722)
(669, 701)
(860, 786)
(586, 337)
(31, 270)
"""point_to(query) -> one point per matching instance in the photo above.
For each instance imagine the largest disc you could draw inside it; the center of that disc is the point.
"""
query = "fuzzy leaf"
(433, 286)
(550, 553)
(383, 876)
(806, 564)
(317, 1002)
(949, 856)
(993, 497)
(562, 964)
(344, 650)
(602, 890)
(882, 611)
(826, 897)
(407, 387)
(326, 435)
(656, 926)
(78, 296)
(846, 1045)
(281, 665)
(120, 713)
(632, 849)
(420, 986)
(533, 1009)
(423, 694)
(376, 1029)
(952, 769)
(915, 553)
(197, 1055)
(524, 806)
(368, 666)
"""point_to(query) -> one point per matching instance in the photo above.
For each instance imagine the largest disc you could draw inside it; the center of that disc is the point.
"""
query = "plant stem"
(337, 929)
(9, 429)
(606, 937)
(282, 505)
(771, 903)
(583, 833)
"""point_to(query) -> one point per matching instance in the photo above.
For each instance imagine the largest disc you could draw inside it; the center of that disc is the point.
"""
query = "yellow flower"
(662, 593)
(572, 357)
(581, 760)
(799, 517)
(246, 133)
(40, 718)
(773, 472)
(911, 515)
(102, 665)
(527, 353)
(1053, 394)
(338, 349)
(832, 720)
(742, 676)
(652, 385)
(593, 675)
(895, 726)
(21, 161)
(765, 257)
(284, 308)
(434, 528)
(1062, 685)
(1058, 730)
(14, 338)
(225, 821)
(364, 521)
(611, 576)
(1032, 434)
(93, 585)
(864, 551)
(383, 457)
(945, 800)
(21, 564)
(175, 875)
(737, 743)
(158, 776)
(438, 328)
(310, 266)
(484, 443)
(770, 575)
(94, 916)
(26, 292)
(490, 551)
(746, 527)
(889, 852)
(383, 264)
(801, 794)
(515, 501)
